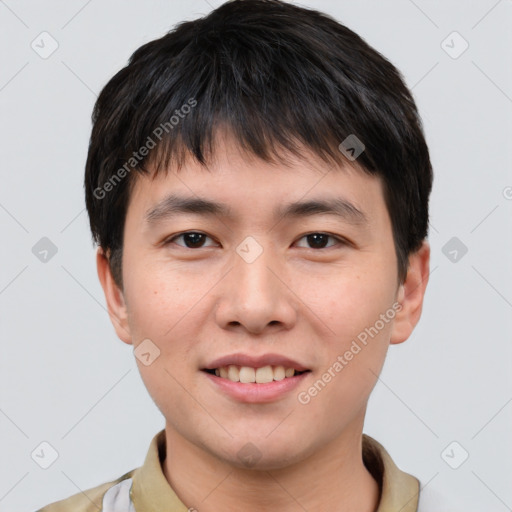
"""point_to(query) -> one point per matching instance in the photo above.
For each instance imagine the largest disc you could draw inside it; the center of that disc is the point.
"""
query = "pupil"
(194, 238)
(315, 237)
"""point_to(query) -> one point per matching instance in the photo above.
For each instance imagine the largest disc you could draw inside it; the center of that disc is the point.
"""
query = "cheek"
(159, 298)
(167, 306)
(358, 309)
(349, 303)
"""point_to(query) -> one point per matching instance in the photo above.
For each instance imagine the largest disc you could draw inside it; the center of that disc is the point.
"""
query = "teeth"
(279, 372)
(247, 375)
(233, 373)
(264, 375)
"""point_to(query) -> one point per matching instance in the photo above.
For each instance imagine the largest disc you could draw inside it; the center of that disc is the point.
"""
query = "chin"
(260, 453)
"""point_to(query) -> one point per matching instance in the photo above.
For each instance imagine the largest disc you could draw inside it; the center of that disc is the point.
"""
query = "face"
(302, 299)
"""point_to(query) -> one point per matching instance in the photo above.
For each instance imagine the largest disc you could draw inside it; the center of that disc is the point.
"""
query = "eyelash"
(340, 241)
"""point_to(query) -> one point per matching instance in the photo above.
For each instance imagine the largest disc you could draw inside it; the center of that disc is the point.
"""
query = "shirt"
(145, 489)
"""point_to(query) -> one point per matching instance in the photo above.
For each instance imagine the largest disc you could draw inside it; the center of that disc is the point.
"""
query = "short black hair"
(278, 77)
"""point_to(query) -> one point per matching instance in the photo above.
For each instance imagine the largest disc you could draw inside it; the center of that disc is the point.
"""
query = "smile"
(255, 378)
(249, 375)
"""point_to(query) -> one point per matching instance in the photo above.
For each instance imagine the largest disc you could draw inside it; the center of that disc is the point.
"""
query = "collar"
(399, 491)
(151, 491)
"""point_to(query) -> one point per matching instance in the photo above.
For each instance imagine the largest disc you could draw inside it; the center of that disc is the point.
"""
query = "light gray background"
(65, 378)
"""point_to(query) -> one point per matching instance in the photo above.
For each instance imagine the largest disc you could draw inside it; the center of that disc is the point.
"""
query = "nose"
(255, 296)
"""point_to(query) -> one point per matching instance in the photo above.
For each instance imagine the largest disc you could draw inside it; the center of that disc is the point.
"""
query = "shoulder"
(107, 497)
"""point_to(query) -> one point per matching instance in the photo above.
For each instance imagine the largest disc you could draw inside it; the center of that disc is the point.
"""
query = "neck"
(334, 478)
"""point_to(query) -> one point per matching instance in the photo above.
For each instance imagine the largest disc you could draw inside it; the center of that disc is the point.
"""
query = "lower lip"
(257, 393)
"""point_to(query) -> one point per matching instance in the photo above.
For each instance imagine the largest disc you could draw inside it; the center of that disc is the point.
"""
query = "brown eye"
(191, 239)
(320, 240)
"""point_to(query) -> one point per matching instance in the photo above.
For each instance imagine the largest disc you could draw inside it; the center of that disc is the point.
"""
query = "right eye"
(191, 239)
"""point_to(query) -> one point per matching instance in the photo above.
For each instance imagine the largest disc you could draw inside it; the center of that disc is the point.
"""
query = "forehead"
(235, 183)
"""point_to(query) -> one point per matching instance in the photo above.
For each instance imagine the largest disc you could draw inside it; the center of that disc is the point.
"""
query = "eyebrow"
(173, 205)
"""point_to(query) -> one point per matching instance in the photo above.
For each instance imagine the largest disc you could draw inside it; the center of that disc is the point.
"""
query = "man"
(258, 183)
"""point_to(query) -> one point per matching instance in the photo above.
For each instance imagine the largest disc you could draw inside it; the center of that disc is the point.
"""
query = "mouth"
(250, 379)
(251, 375)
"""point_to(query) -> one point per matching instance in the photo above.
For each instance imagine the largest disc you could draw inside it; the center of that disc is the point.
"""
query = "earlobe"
(114, 297)
(411, 294)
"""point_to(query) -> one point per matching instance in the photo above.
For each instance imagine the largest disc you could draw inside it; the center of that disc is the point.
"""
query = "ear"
(114, 296)
(411, 293)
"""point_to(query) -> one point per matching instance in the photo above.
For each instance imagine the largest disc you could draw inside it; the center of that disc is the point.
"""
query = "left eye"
(319, 240)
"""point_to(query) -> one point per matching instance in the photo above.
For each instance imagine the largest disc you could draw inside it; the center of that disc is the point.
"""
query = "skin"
(306, 303)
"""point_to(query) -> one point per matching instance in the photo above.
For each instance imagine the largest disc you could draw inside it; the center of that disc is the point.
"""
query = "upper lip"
(255, 361)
